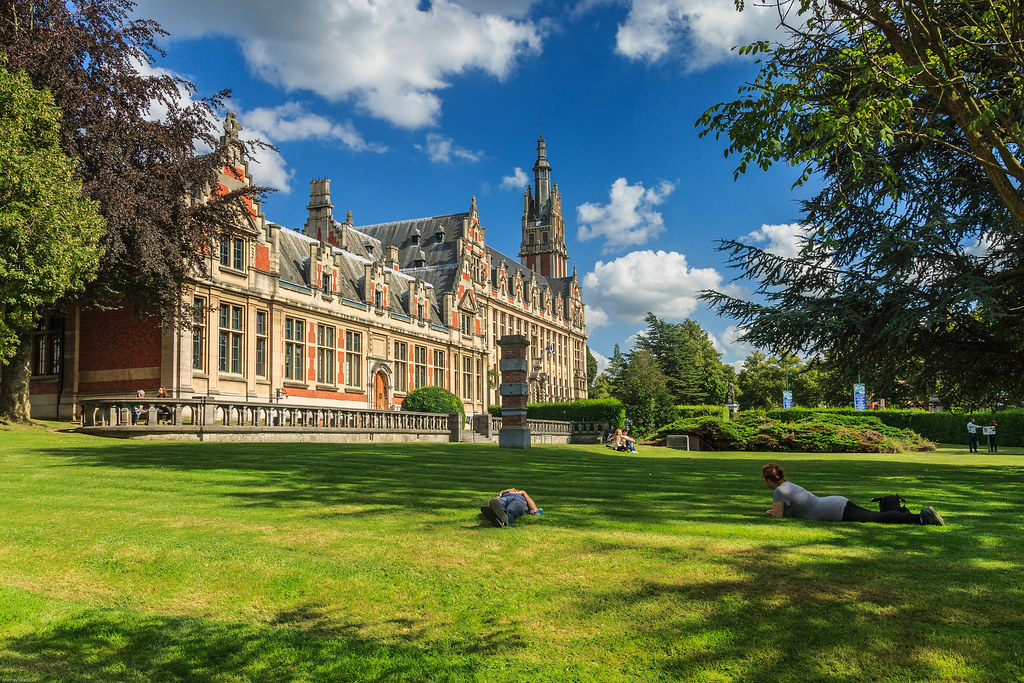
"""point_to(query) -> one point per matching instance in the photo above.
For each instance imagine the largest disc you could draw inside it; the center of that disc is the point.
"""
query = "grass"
(124, 561)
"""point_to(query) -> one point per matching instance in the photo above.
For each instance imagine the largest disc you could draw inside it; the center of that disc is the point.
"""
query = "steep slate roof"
(440, 272)
(294, 251)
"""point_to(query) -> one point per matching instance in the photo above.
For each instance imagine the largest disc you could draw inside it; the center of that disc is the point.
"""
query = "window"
(378, 298)
(467, 324)
(401, 366)
(199, 334)
(419, 311)
(325, 354)
(237, 246)
(293, 348)
(530, 236)
(261, 343)
(419, 366)
(353, 358)
(232, 253)
(229, 349)
(467, 377)
(439, 369)
(544, 238)
(325, 281)
(47, 350)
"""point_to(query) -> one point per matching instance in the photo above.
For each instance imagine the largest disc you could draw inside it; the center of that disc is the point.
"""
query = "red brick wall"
(117, 340)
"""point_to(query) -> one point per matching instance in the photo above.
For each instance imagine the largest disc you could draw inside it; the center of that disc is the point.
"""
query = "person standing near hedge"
(972, 436)
(992, 448)
(790, 500)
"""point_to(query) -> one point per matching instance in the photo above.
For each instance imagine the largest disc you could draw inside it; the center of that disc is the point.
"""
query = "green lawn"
(147, 562)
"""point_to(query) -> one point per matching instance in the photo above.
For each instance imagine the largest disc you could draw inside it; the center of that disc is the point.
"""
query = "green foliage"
(591, 368)
(816, 432)
(49, 234)
(433, 400)
(943, 427)
(602, 387)
(684, 353)
(644, 394)
(763, 379)
(703, 411)
(911, 268)
(608, 410)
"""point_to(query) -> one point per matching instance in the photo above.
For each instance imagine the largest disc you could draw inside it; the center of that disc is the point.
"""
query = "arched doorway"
(380, 391)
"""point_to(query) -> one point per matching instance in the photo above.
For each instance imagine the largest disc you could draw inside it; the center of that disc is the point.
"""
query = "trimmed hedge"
(813, 433)
(587, 410)
(941, 427)
(433, 400)
(703, 411)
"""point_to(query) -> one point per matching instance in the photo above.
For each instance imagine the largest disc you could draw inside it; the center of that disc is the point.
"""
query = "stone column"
(515, 432)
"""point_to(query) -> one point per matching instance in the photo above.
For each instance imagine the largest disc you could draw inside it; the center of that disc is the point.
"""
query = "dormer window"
(326, 283)
(439, 233)
(420, 260)
(378, 298)
(419, 311)
(415, 238)
(369, 248)
(467, 324)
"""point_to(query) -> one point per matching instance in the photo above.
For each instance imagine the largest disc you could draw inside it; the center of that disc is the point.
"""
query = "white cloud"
(657, 281)
(632, 340)
(602, 362)
(442, 150)
(702, 32)
(596, 317)
(517, 181)
(292, 121)
(387, 56)
(784, 240)
(627, 219)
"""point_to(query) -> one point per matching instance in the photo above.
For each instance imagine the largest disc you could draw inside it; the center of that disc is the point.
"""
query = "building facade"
(339, 314)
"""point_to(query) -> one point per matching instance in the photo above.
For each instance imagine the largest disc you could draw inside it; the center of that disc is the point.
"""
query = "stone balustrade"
(243, 421)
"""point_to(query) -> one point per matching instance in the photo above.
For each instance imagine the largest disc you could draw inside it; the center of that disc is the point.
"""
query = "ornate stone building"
(340, 314)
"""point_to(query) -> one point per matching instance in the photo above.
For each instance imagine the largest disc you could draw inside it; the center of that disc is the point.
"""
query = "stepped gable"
(557, 285)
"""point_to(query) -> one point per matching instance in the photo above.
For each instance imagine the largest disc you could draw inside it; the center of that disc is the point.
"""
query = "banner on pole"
(787, 400)
(860, 399)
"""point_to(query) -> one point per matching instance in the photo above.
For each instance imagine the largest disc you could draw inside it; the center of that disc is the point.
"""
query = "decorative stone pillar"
(515, 432)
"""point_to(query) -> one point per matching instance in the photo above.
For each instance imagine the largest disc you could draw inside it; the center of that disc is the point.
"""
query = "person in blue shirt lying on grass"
(790, 500)
(509, 505)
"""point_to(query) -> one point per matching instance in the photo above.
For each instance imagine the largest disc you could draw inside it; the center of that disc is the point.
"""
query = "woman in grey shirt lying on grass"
(790, 500)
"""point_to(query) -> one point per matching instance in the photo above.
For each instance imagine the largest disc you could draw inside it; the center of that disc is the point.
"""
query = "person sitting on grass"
(790, 500)
(508, 506)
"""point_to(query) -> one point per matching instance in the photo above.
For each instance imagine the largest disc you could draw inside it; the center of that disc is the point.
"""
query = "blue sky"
(412, 107)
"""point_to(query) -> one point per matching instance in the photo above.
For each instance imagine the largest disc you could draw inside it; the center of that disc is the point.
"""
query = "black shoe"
(490, 516)
(930, 516)
(495, 507)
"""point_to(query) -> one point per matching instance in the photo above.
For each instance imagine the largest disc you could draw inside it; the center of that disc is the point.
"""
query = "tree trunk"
(14, 399)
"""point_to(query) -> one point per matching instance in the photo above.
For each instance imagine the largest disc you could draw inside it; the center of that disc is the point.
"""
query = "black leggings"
(855, 513)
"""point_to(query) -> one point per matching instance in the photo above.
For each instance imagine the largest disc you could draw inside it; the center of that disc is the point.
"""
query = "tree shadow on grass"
(585, 487)
(783, 614)
(297, 644)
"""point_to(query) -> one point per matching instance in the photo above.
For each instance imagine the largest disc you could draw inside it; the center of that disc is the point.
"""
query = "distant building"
(339, 314)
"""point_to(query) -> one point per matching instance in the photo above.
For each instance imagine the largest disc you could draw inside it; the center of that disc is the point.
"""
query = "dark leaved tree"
(140, 167)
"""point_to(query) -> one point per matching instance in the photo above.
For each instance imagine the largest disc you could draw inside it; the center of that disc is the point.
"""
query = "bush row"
(813, 433)
(703, 411)
(433, 400)
(587, 410)
(942, 427)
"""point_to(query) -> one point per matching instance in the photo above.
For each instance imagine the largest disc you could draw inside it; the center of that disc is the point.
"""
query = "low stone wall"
(199, 420)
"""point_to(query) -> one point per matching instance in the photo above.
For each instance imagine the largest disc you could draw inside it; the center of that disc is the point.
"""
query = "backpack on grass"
(893, 503)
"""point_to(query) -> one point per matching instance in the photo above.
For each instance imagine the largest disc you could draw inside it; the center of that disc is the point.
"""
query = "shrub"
(432, 400)
(608, 410)
(703, 411)
(812, 433)
(944, 427)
